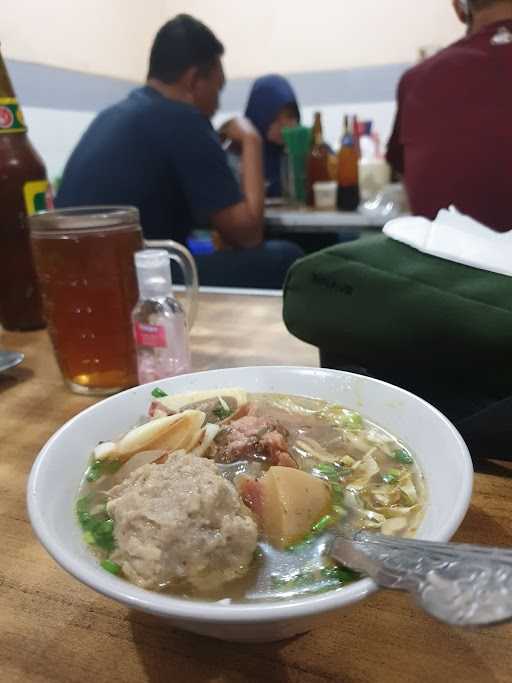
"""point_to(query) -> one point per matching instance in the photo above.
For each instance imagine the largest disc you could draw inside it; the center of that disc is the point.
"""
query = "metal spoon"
(461, 585)
(9, 359)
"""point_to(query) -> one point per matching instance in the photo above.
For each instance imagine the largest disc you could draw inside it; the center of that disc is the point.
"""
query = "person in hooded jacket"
(272, 106)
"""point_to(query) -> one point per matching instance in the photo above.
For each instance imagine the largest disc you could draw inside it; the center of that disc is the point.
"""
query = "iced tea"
(89, 289)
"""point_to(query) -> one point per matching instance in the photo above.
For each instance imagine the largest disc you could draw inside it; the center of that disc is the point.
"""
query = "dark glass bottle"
(348, 173)
(318, 159)
(24, 190)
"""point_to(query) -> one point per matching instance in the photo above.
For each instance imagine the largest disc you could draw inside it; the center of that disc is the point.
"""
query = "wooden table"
(313, 230)
(54, 629)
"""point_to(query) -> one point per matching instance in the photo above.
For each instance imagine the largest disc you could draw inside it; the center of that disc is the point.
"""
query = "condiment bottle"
(24, 190)
(374, 171)
(318, 159)
(159, 322)
(348, 177)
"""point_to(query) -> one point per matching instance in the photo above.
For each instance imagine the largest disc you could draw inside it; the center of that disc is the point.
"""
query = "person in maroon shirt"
(452, 138)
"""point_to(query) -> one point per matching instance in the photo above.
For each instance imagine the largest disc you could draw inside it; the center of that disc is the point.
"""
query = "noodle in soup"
(229, 495)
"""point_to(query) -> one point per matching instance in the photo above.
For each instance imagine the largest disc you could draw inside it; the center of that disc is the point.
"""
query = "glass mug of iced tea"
(84, 262)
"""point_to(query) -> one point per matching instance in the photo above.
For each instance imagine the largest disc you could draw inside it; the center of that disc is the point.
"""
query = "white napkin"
(456, 237)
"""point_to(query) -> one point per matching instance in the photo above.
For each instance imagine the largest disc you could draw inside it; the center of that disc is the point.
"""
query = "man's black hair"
(181, 43)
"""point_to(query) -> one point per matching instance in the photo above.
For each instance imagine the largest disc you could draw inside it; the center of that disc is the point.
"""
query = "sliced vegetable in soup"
(222, 494)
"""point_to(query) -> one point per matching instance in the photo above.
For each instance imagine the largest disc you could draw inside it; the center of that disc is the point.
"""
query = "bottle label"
(150, 335)
(37, 195)
(11, 116)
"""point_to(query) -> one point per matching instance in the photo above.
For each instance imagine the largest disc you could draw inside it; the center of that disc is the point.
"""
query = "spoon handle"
(462, 585)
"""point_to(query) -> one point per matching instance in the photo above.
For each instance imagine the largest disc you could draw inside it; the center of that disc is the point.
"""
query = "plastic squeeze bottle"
(158, 320)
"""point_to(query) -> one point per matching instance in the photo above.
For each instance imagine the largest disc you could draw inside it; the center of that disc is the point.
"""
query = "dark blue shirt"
(159, 155)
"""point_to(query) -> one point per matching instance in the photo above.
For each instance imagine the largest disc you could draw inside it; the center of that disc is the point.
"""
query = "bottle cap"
(153, 273)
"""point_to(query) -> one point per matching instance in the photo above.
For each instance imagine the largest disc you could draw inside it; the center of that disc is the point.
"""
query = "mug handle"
(182, 256)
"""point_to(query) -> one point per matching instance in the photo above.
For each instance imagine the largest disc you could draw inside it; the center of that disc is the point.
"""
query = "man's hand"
(239, 130)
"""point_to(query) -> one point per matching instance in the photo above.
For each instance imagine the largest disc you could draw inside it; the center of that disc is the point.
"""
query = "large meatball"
(181, 522)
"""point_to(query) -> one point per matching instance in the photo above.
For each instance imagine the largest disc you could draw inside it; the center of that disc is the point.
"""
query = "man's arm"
(241, 225)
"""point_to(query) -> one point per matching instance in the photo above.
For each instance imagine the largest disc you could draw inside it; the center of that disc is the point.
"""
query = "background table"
(53, 628)
(306, 220)
(313, 230)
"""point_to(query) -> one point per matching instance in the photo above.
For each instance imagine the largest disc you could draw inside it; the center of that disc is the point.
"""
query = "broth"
(372, 480)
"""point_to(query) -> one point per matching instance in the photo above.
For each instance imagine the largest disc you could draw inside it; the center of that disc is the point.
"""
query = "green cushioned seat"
(438, 328)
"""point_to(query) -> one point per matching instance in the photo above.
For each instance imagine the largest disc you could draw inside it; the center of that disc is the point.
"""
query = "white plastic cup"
(325, 195)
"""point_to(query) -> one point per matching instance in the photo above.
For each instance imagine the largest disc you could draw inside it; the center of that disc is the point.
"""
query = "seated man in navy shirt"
(157, 150)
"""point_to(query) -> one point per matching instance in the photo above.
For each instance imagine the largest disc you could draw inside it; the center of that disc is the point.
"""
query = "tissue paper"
(456, 237)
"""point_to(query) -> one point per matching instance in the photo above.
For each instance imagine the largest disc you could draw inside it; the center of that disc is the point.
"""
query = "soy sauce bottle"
(348, 196)
(318, 159)
(24, 190)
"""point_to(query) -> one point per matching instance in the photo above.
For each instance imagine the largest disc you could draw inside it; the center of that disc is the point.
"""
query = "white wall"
(112, 37)
(107, 37)
(289, 36)
(54, 133)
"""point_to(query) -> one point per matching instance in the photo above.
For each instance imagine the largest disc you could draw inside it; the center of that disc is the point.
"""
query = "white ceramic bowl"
(56, 474)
